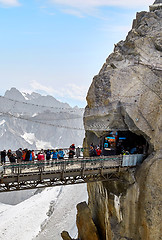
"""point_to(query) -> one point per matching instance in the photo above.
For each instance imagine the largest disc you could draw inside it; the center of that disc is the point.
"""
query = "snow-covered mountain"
(34, 121)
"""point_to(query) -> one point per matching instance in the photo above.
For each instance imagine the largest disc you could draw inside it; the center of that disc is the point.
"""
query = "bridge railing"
(62, 165)
(71, 164)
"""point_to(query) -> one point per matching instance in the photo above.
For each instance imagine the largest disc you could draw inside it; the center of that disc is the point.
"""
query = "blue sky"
(56, 47)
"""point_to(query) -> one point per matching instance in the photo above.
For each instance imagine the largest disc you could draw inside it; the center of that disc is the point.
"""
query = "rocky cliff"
(126, 95)
(127, 92)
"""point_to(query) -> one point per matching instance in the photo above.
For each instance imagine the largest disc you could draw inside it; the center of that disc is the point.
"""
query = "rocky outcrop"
(157, 5)
(127, 95)
(85, 224)
(65, 236)
(86, 227)
(127, 92)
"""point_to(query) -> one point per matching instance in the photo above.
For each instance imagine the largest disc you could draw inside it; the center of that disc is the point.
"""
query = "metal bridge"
(30, 175)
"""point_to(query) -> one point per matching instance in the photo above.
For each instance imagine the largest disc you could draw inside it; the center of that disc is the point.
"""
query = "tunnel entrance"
(123, 142)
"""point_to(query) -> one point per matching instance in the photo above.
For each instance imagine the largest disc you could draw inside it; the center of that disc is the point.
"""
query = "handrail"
(70, 164)
(57, 165)
(56, 161)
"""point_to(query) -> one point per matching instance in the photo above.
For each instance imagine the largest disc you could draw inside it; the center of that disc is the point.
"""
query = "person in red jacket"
(41, 156)
(98, 151)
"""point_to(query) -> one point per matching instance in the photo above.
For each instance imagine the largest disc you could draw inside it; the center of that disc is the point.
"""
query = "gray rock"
(129, 97)
(123, 84)
(158, 1)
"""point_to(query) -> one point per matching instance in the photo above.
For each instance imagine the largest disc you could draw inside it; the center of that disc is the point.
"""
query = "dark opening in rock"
(123, 142)
(119, 142)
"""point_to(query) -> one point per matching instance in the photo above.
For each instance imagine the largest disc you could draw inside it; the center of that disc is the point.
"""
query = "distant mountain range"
(34, 121)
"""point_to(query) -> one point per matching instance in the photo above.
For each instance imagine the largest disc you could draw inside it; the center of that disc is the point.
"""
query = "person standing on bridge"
(41, 156)
(92, 152)
(54, 157)
(77, 152)
(19, 155)
(3, 156)
(12, 159)
(48, 156)
(72, 147)
(27, 156)
(23, 154)
(98, 151)
(9, 154)
(72, 151)
(60, 154)
(33, 155)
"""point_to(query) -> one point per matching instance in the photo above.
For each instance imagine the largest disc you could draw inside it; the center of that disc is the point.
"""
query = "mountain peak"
(14, 94)
(34, 98)
(31, 96)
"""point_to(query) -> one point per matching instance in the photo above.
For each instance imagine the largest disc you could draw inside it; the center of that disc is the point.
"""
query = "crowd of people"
(25, 155)
(120, 150)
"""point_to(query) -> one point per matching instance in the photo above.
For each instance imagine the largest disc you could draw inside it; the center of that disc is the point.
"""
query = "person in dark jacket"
(48, 156)
(72, 147)
(12, 158)
(71, 153)
(92, 152)
(9, 152)
(3, 156)
(27, 156)
(77, 152)
(19, 155)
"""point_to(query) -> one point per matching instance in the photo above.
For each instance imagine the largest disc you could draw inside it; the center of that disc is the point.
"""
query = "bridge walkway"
(29, 175)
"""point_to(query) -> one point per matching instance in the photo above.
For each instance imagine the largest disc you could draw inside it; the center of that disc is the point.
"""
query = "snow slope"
(15, 197)
(44, 215)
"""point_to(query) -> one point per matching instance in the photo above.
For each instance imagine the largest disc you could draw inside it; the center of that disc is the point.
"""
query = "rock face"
(157, 5)
(158, 1)
(85, 224)
(127, 92)
(127, 95)
(129, 208)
